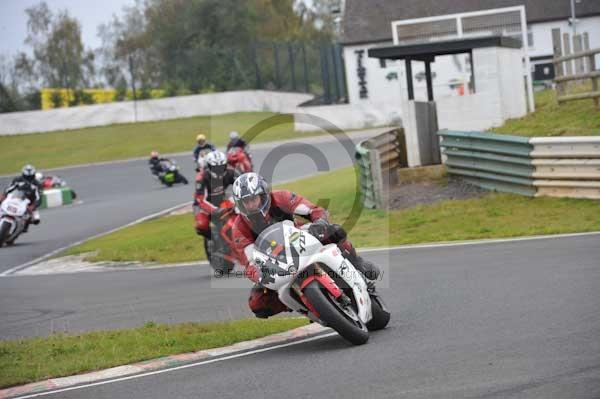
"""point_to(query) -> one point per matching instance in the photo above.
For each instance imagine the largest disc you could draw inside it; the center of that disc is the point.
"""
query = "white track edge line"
(479, 242)
(185, 366)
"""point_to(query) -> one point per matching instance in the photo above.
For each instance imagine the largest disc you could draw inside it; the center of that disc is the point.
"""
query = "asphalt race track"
(503, 320)
(119, 193)
(516, 319)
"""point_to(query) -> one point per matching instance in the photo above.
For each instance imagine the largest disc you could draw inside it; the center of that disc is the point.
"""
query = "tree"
(59, 58)
(127, 52)
(17, 92)
(194, 45)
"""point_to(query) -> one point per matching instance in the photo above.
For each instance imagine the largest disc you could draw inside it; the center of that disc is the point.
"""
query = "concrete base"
(420, 127)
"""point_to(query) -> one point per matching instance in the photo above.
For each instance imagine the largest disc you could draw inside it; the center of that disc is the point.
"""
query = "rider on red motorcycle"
(235, 141)
(211, 183)
(259, 208)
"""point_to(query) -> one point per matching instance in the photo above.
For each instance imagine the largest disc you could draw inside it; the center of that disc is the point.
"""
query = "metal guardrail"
(550, 166)
(567, 166)
(378, 158)
(566, 147)
(492, 161)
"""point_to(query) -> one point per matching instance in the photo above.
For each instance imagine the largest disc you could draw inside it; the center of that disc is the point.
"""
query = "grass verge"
(37, 359)
(106, 143)
(574, 118)
(172, 239)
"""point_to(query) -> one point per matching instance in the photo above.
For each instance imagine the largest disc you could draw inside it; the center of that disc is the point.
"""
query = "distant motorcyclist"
(161, 168)
(236, 141)
(154, 162)
(260, 208)
(202, 147)
(211, 183)
(46, 182)
(30, 187)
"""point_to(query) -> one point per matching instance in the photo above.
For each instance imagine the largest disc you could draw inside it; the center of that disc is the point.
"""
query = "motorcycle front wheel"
(335, 315)
(4, 232)
(218, 263)
(381, 316)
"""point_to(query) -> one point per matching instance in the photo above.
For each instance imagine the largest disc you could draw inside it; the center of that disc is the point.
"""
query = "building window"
(529, 38)
(382, 63)
(518, 37)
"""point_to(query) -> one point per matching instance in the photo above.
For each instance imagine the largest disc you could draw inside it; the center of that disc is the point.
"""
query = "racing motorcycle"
(13, 216)
(239, 161)
(50, 182)
(219, 248)
(317, 281)
(170, 173)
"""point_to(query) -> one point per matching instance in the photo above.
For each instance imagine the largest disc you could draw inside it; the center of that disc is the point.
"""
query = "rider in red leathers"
(211, 183)
(259, 208)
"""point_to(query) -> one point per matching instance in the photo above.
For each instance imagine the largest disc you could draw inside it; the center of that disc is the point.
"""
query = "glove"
(220, 213)
(321, 229)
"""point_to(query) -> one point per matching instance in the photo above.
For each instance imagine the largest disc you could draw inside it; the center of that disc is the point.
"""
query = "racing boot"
(367, 268)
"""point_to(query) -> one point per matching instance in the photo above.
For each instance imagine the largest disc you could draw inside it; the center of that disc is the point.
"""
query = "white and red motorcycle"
(317, 281)
(13, 216)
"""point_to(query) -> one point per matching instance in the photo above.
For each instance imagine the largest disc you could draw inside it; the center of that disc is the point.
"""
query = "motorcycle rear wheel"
(353, 330)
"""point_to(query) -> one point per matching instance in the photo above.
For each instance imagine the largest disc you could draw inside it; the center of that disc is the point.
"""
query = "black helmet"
(252, 196)
(28, 173)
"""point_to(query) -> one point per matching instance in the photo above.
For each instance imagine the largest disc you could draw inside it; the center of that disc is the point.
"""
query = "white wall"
(382, 88)
(500, 93)
(149, 110)
(512, 84)
(350, 116)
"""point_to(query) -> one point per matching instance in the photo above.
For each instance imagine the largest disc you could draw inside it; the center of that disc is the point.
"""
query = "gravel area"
(412, 194)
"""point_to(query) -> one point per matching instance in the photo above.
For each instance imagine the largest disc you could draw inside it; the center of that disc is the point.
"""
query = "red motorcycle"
(239, 161)
(219, 248)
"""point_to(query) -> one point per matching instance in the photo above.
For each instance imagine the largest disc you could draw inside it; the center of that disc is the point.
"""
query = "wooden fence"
(575, 67)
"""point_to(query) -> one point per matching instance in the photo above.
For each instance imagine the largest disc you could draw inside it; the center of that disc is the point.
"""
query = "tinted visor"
(218, 170)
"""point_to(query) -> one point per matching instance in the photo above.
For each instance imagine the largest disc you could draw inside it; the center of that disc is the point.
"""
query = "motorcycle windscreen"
(17, 194)
(271, 242)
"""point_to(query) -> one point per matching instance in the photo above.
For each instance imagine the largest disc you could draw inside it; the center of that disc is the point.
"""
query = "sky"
(90, 13)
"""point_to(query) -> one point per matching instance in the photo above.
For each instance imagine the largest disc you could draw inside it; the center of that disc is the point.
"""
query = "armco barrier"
(493, 161)
(378, 159)
(56, 197)
(558, 166)
(567, 166)
(566, 147)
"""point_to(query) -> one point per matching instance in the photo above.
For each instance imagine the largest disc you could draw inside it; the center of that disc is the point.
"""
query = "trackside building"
(379, 85)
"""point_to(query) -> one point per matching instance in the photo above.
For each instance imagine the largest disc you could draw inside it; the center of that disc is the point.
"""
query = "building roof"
(425, 51)
(368, 21)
